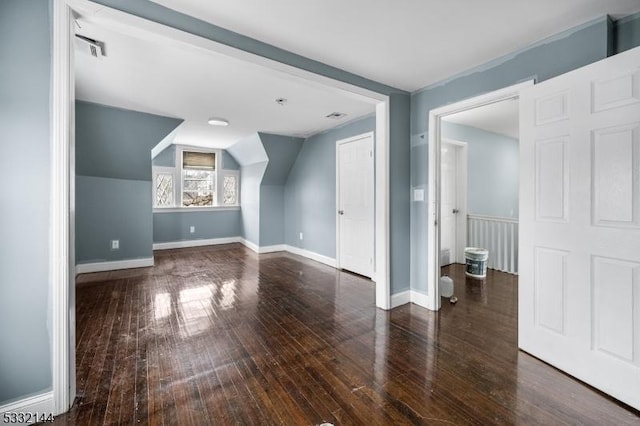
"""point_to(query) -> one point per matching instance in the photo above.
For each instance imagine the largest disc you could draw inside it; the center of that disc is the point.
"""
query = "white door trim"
(461, 195)
(338, 228)
(61, 233)
(62, 158)
(433, 199)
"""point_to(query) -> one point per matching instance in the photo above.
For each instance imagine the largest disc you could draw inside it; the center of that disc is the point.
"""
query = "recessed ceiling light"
(215, 121)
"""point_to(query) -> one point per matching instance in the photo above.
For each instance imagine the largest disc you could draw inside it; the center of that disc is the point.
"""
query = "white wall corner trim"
(420, 299)
(400, 299)
(313, 256)
(41, 404)
(195, 243)
(85, 268)
(59, 238)
(409, 296)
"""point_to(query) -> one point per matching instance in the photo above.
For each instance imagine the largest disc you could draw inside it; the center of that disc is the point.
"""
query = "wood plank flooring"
(219, 335)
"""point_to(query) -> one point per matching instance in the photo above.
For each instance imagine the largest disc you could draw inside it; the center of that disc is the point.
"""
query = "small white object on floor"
(453, 300)
(446, 286)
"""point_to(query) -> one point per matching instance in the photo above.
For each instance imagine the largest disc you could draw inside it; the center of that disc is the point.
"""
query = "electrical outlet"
(192, 229)
(115, 244)
(301, 237)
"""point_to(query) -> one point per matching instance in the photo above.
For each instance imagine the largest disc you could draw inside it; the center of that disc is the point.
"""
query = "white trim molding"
(41, 404)
(195, 243)
(312, 255)
(409, 296)
(399, 299)
(62, 86)
(86, 268)
(433, 201)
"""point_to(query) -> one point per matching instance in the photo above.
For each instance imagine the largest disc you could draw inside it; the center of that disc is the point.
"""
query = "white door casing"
(579, 286)
(355, 202)
(432, 301)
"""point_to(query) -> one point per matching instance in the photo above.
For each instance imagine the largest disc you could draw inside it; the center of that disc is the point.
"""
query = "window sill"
(194, 209)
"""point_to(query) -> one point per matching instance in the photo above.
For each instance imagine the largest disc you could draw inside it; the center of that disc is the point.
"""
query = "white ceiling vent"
(336, 115)
(88, 45)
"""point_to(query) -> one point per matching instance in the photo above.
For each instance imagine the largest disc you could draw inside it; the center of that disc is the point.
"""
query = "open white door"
(355, 204)
(579, 286)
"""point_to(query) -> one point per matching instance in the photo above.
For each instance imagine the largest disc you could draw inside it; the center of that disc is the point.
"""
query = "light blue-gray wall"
(554, 56)
(310, 190)
(166, 157)
(228, 162)
(282, 152)
(493, 170)
(113, 209)
(116, 143)
(113, 181)
(627, 33)
(399, 200)
(25, 315)
(170, 227)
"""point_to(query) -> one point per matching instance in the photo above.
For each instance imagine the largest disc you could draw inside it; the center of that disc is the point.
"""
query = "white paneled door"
(579, 294)
(449, 201)
(355, 204)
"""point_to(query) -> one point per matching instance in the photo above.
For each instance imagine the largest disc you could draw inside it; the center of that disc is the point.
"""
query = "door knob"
(340, 211)
(454, 211)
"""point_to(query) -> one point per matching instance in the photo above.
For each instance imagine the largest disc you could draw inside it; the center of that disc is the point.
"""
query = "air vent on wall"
(92, 47)
(336, 115)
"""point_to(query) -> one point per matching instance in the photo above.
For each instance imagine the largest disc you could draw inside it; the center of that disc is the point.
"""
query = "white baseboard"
(409, 296)
(272, 249)
(250, 245)
(195, 243)
(85, 268)
(400, 299)
(312, 255)
(419, 299)
(41, 404)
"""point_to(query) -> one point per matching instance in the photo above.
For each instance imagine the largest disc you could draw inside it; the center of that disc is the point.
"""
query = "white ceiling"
(500, 117)
(407, 44)
(147, 75)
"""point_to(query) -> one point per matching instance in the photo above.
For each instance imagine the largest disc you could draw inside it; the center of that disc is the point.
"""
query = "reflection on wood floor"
(220, 335)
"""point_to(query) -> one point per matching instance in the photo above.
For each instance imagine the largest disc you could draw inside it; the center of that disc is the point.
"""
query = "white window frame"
(180, 149)
(164, 170)
(224, 173)
(177, 181)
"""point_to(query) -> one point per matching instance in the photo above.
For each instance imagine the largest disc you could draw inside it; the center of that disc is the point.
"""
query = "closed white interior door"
(579, 286)
(355, 204)
(449, 200)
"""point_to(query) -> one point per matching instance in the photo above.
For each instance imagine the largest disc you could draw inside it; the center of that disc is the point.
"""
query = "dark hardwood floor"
(218, 335)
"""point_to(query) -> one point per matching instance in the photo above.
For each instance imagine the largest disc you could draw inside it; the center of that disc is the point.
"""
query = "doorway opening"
(63, 234)
(467, 205)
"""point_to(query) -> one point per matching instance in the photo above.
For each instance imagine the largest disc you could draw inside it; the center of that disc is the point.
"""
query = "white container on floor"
(446, 286)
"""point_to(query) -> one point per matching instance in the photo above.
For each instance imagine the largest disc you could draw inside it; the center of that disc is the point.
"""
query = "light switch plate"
(418, 195)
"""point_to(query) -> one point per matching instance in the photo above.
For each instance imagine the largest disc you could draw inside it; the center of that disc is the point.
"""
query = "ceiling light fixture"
(215, 121)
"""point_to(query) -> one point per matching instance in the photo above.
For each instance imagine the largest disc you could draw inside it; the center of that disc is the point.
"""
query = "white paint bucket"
(476, 260)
